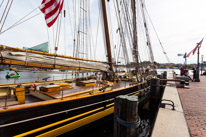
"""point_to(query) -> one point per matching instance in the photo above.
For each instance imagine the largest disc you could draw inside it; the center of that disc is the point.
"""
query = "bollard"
(158, 76)
(126, 119)
(154, 88)
(165, 75)
(182, 82)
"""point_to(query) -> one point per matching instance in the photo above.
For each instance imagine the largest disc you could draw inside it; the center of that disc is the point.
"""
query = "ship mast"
(135, 43)
(106, 31)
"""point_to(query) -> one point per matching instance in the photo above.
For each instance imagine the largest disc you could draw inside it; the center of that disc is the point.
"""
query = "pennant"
(180, 54)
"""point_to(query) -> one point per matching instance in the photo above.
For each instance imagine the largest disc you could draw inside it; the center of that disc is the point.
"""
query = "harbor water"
(33, 76)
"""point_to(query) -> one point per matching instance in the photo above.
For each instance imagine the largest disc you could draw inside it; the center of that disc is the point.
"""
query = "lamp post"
(202, 56)
(197, 79)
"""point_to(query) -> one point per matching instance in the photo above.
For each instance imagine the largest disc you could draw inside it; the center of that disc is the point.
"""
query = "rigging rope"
(64, 31)
(6, 14)
(110, 28)
(121, 31)
(164, 52)
(4, 11)
(103, 34)
(147, 32)
(59, 30)
(57, 37)
(92, 40)
(118, 30)
(49, 42)
(19, 22)
(1, 3)
(72, 31)
(128, 28)
(74, 12)
(143, 50)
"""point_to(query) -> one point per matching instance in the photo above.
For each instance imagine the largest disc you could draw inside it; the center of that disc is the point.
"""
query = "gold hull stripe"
(78, 123)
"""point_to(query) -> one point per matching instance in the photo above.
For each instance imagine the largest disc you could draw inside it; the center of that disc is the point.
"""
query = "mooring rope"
(134, 124)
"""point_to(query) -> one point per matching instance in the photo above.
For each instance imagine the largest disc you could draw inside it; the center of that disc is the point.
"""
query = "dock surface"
(194, 106)
(171, 123)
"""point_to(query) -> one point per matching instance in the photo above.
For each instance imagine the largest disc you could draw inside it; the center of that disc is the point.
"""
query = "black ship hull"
(26, 120)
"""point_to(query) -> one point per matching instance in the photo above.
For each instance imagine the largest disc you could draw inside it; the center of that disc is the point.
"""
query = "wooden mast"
(135, 43)
(106, 31)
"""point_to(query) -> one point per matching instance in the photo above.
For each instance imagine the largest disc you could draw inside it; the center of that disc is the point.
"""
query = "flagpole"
(198, 65)
(186, 61)
(202, 63)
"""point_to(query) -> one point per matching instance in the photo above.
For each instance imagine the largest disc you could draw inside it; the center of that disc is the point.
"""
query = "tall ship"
(54, 107)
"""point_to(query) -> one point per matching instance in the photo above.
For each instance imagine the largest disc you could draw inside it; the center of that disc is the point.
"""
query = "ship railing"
(8, 100)
(142, 88)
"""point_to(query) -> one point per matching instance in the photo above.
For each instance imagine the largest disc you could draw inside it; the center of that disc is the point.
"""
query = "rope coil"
(134, 124)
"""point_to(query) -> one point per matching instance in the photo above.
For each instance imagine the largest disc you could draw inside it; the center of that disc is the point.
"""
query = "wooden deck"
(10, 102)
(80, 90)
(73, 91)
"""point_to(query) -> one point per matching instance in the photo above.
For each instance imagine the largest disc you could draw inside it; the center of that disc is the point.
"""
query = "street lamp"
(202, 56)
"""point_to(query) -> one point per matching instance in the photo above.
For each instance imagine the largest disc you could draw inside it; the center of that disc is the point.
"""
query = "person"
(204, 73)
(181, 70)
(147, 70)
(99, 76)
(186, 73)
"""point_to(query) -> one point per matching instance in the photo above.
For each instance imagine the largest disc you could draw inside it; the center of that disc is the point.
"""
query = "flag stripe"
(46, 4)
(51, 10)
(52, 19)
(189, 54)
(194, 50)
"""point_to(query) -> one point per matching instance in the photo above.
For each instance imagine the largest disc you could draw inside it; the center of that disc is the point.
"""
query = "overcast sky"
(180, 24)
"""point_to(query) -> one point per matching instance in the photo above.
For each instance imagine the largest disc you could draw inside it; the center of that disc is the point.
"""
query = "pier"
(189, 117)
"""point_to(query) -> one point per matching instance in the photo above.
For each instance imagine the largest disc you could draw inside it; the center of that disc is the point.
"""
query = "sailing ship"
(52, 108)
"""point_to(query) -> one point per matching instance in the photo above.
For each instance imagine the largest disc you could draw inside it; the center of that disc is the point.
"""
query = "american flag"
(194, 50)
(198, 45)
(189, 54)
(51, 10)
